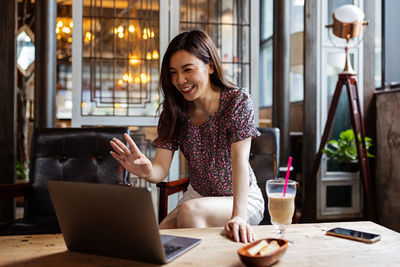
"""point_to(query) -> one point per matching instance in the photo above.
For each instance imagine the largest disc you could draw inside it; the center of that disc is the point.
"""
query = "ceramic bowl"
(266, 260)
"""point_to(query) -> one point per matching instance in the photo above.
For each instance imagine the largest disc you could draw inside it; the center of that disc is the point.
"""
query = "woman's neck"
(201, 109)
(207, 101)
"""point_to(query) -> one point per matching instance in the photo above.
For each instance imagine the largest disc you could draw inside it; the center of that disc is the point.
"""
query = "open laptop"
(113, 220)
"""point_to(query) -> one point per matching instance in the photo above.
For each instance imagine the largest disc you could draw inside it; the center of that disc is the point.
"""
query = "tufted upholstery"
(70, 154)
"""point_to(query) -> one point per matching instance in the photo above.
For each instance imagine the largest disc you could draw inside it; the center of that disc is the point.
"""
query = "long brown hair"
(199, 44)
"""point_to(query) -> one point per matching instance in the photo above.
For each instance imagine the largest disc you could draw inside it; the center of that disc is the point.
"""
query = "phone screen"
(353, 234)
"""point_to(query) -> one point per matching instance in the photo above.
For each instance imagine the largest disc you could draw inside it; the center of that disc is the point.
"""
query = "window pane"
(338, 196)
(296, 51)
(297, 16)
(267, 11)
(227, 24)
(332, 5)
(64, 27)
(378, 43)
(120, 58)
(266, 75)
(342, 119)
(296, 87)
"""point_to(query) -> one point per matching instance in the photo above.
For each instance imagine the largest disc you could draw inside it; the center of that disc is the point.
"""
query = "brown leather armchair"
(264, 159)
(70, 154)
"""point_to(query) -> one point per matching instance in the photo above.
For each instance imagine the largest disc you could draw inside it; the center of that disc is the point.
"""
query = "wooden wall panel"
(8, 24)
(387, 189)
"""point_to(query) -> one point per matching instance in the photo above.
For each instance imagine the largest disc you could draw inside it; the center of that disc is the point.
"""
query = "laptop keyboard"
(170, 249)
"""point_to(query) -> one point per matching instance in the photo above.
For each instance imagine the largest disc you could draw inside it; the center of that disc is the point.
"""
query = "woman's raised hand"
(131, 159)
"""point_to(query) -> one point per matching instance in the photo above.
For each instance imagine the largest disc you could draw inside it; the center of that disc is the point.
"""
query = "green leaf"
(347, 135)
(21, 171)
(344, 149)
(334, 144)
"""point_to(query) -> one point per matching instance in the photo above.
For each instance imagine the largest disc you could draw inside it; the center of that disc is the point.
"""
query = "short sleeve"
(240, 117)
(172, 145)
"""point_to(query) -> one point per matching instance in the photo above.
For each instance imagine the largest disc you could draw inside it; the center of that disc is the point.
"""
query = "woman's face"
(189, 75)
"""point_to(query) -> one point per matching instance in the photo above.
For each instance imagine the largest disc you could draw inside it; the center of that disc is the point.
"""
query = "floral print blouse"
(207, 147)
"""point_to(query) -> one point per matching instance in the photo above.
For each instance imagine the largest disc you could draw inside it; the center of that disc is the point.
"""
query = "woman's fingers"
(124, 151)
(121, 155)
(250, 233)
(243, 233)
(228, 230)
(116, 148)
(117, 157)
(239, 231)
(235, 232)
(132, 144)
(122, 146)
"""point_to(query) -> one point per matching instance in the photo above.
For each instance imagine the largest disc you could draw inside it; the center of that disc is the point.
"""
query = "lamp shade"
(347, 21)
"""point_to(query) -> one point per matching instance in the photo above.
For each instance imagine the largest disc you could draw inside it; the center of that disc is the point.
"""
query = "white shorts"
(255, 203)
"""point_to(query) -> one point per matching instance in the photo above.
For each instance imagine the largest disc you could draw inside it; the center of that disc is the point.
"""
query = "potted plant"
(344, 150)
(22, 171)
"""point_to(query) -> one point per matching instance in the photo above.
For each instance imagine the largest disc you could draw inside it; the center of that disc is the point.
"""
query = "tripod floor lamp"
(347, 24)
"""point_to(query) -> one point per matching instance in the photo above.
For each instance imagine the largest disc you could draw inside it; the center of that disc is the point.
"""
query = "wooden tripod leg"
(328, 125)
(359, 130)
(310, 200)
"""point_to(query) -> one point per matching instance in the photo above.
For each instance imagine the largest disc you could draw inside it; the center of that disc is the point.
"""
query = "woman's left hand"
(238, 229)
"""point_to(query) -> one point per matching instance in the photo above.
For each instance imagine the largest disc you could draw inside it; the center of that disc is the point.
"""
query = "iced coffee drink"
(281, 203)
(281, 208)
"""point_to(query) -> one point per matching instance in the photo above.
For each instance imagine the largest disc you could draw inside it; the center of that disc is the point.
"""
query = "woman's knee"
(167, 224)
(189, 215)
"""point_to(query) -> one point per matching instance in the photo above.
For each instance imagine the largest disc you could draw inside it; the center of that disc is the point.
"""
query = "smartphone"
(353, 234)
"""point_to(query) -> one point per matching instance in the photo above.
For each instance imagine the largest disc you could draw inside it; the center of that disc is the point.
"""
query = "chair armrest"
(13, 190)
(167, 189)
(184, 182)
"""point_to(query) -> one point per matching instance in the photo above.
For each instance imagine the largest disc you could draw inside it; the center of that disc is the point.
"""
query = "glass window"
(391, 48)
(342, 119)
(297, 16)
(339, 190)
(120, 58)
(25, 49)
(266, 54)
(332, 5)
(266, 75)
(296, 83)
(338, 196)
(227, 22)
(267, 23)
(378, 43)
(64, 28)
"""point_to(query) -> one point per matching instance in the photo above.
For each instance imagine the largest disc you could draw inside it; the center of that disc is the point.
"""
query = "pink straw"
(287, 175)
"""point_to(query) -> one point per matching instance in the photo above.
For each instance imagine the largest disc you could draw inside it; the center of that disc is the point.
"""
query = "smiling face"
(190, 75)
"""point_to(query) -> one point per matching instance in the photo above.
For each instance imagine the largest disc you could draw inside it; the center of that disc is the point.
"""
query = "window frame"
(325, 178)
(169, 27)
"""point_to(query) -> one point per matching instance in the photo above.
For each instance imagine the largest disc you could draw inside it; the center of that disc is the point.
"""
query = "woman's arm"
(238, 227)
(134, 161)
(161, 164)
(240, 176)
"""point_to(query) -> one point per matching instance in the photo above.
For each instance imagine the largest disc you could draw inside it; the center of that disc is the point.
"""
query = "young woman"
(212, 123)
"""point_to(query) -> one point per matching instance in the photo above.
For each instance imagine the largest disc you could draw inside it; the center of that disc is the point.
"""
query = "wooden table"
(311, 248)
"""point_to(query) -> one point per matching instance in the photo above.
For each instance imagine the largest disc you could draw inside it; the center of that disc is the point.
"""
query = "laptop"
(113, 220)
